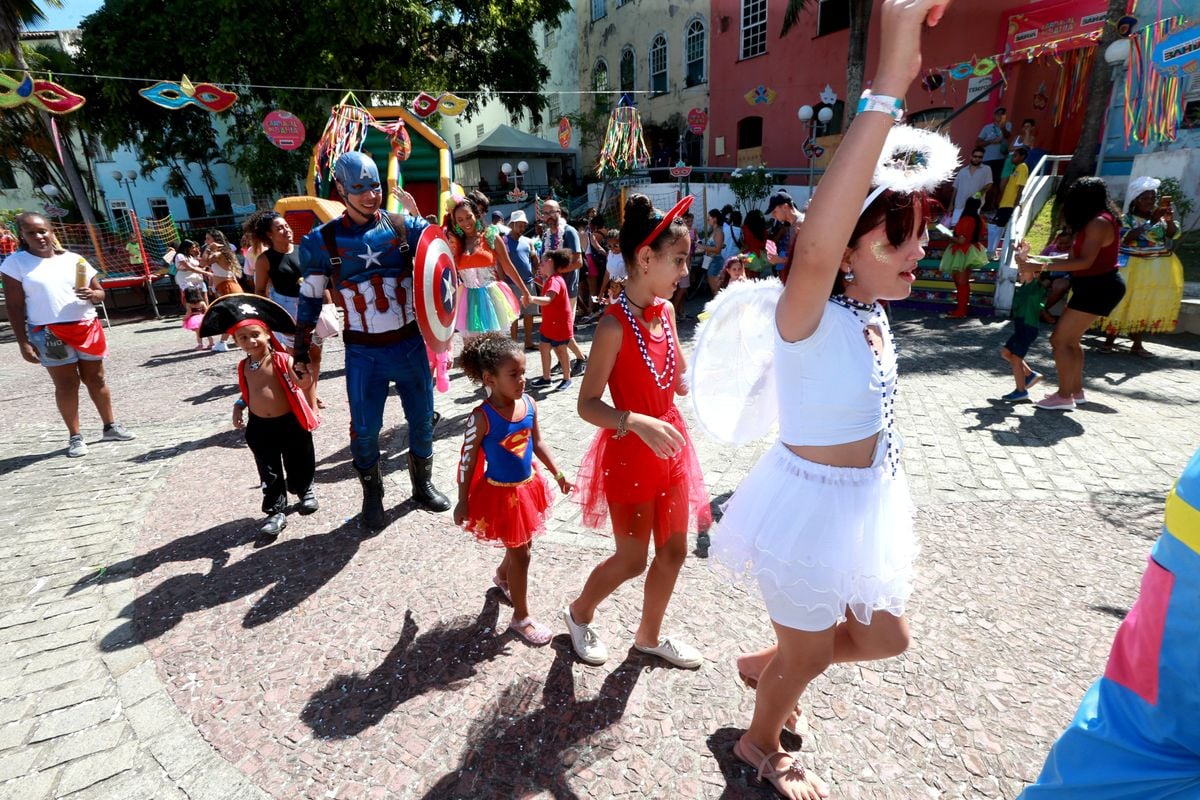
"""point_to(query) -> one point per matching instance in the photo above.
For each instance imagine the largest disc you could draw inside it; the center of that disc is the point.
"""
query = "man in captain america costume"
(1137, 732)
(371, 279)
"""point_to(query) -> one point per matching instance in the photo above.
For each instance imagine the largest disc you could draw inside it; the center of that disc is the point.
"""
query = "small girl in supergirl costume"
(503, 498)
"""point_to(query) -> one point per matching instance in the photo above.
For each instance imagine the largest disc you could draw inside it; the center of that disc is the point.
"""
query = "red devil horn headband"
(678, 210)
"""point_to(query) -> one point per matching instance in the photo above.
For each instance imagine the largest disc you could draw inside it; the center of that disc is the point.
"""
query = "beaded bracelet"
(622, 421)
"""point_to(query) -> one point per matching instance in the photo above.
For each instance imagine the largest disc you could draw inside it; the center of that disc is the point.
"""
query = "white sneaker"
(116, 432)
(76, 447)
(587, 644)
(680, 654)
(220, 347)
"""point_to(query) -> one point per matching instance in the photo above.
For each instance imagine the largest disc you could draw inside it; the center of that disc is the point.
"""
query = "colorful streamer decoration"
(174, 95)
(760, 96)
(42, 95)
(1073, 83)
(1153, 99)
(345, 132)
(624, 149)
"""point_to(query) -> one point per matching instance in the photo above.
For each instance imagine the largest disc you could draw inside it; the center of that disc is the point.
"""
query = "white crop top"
(833, 389)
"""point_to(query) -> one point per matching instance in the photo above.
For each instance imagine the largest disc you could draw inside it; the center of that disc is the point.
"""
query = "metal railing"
(1041, 186)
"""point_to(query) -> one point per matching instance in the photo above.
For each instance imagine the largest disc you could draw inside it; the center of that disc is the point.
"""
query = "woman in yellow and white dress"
(1153, 274)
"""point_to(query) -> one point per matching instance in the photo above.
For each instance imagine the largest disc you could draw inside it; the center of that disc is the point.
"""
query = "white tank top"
(833, 389)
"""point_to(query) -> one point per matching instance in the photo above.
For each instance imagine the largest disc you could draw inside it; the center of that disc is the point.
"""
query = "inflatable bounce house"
(408, 152)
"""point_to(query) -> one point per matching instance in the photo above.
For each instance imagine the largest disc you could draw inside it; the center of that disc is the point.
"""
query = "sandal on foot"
(796, 724)
(502, 586)
(783, 780)
(531, 631)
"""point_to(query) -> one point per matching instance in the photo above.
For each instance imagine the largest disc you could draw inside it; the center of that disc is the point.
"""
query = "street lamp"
(127, 180)
(517, 194)
(815, 120)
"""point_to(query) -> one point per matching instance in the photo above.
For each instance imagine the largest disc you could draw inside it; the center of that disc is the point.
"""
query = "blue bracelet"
(239, 403)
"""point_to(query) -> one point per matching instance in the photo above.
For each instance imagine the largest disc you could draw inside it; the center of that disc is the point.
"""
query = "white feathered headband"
(913, 160)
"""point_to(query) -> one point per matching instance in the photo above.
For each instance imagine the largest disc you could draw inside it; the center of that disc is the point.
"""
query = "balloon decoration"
(760, 96)
(42, 95)
(285, 130)
(624, 149)
(174, 95)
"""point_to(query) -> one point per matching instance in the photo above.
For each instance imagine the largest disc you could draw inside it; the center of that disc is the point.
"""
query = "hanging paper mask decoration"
(42, 95)
(760, 96)
(1125, 26)
(174, 96)
(424, 104)
(451, 105)
(962, 71)
(933, 81)
(984, 67)
(624, 148)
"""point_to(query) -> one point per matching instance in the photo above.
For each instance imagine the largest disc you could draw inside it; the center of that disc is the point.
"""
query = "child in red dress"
(558, 325)
(641, 469)
(507, 501)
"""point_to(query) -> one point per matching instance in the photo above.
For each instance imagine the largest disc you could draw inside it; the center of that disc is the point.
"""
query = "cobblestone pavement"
(151, 649)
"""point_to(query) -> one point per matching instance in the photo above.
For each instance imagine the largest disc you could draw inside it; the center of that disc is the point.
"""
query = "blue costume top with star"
(374, 282)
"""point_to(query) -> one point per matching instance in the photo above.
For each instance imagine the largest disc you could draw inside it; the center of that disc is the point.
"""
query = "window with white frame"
(694, 43)
(553, 111)
(600, 84)
(159, 208)
(458, 141)
(118, 205)
(598, 11)
(628, 69)
(658, 65)
(754, 28)
(479, 131)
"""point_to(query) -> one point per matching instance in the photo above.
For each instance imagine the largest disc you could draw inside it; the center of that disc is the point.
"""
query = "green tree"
(476, 48)
(856, 56)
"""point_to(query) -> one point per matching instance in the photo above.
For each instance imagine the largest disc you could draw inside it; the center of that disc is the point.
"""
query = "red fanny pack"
(86, 336)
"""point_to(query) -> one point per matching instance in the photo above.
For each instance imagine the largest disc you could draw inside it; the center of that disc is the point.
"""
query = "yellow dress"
(1153, 283)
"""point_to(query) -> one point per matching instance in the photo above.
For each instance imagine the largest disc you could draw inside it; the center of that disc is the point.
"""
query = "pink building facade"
(759, 79)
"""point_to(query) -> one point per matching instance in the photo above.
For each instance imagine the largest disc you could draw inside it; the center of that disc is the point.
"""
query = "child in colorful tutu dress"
(503, 498)
(486, 303)
(194, 307)
(641, 469)
(964, 254)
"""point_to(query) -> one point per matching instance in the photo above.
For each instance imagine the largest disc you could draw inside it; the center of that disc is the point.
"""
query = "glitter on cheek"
(879, 251)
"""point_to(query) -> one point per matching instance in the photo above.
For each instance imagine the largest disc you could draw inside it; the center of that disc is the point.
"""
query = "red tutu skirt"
(618, 477)
(508, 515)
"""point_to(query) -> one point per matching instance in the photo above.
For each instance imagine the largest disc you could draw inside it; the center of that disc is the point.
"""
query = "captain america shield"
(435, 284)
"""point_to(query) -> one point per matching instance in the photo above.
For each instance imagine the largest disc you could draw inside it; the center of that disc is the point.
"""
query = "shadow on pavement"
(517, 750)
(293, 569)
(14, 463)
(438, 660)
(720, 744)
(1040, 429)
(231, 438)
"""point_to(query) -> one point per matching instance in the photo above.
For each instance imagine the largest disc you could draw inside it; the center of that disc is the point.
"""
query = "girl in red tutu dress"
(503, 498)
(641, 470)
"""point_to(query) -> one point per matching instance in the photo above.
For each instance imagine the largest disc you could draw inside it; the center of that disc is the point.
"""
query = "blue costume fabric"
(373, 285)
(508, 445)
(1137, 732)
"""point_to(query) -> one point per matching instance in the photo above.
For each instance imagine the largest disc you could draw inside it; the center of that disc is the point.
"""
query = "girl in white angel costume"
(822, 526)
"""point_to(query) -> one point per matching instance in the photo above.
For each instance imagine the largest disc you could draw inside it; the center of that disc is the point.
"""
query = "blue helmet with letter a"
(356, 172)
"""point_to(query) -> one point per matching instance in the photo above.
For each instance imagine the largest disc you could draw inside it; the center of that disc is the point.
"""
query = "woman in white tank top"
(822, 525)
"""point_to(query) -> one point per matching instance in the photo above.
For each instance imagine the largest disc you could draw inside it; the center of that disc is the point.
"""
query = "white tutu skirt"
(819, 542)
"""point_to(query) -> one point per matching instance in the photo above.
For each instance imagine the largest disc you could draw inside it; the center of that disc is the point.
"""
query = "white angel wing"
(732, 374)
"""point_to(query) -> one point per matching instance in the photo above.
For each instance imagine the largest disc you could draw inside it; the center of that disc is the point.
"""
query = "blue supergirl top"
(508, 445)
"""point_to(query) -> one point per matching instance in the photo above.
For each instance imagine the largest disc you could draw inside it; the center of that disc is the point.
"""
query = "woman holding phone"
(1153, 273)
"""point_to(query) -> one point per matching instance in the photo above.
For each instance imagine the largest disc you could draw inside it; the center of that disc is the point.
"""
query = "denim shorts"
(52, 351)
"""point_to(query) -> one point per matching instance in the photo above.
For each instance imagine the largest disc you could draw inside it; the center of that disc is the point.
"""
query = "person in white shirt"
(973, 180)
(50, 295)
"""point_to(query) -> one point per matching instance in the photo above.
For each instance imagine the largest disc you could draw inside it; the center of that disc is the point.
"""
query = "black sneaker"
(565, 384)
(539, 383)
(578, 366)
(308, 503)
(274, 525)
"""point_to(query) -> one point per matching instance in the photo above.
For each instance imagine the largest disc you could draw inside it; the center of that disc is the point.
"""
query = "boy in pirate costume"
(279, 431)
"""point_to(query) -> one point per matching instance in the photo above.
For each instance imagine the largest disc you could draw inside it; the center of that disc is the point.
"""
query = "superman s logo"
(517, 443)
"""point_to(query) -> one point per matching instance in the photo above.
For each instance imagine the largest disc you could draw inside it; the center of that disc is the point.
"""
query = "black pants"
(281, 448)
